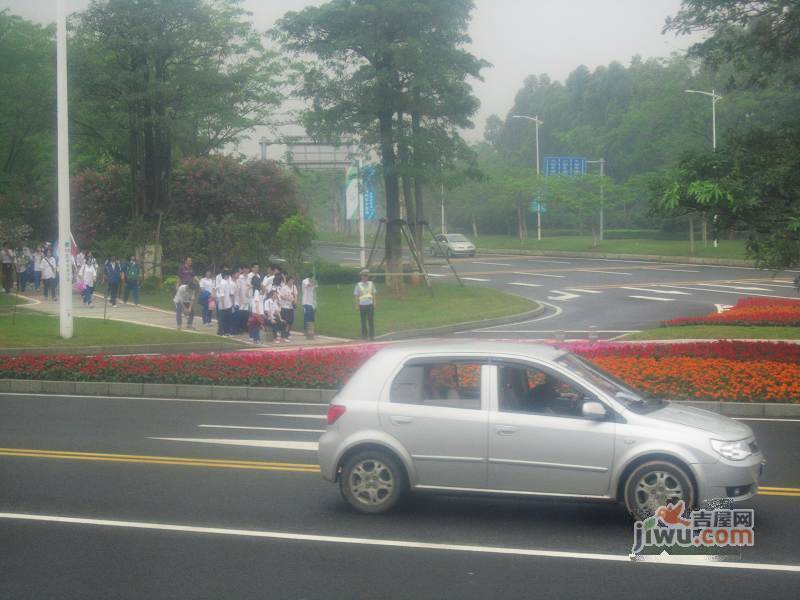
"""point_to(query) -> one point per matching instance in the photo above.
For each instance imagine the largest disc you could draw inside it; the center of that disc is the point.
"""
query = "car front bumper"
(730, 480)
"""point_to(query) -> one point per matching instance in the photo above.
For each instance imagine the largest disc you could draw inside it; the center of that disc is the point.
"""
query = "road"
(137, 498)
(614, 297)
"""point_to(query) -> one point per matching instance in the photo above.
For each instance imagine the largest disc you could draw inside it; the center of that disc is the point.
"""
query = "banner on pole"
(370, 196)
(351, 194)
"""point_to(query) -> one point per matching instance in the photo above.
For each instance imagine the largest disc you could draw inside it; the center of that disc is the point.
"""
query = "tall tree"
(369, 55)
(161, 78)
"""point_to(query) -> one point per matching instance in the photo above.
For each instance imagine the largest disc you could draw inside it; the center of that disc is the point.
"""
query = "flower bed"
(783, 312)
(727, 370)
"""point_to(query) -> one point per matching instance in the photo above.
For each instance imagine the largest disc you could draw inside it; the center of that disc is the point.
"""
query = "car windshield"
(456, 237)
(609, 384)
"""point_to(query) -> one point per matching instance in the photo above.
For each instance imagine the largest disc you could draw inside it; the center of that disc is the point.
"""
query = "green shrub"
(169, 283)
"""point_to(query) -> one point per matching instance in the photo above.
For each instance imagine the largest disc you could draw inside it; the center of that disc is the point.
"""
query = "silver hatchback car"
(524, 419)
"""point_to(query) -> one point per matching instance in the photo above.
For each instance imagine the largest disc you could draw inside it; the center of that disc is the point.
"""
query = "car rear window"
(452, 384)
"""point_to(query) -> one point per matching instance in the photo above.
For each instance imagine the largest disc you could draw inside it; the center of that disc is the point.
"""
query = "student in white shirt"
(9, 259)
(255, 321)
(88, 275)
(272, 315)
(226, 291)
(206, 292)
(184, 304)
(49, 266)
(309, 287)
(37, 268)
(287, 299)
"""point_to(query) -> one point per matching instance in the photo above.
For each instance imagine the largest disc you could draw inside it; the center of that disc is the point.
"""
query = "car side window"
(452, 384)
(526, 389)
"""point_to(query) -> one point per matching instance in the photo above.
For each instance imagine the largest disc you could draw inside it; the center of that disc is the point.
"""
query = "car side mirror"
(592, 409)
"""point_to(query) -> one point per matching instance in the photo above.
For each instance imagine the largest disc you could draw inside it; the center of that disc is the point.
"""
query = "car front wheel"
(654, 484)
(372, 481)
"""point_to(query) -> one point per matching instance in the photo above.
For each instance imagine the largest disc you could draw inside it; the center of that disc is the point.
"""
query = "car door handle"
(400, 420)
(506, 430)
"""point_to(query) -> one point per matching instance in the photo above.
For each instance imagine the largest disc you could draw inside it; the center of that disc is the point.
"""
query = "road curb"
(178, 348)
(300, 395)
(463, 326)
(693, 260)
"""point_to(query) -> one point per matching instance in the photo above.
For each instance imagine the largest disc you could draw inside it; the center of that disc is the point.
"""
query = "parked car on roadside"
(452, 244)
(524, 419)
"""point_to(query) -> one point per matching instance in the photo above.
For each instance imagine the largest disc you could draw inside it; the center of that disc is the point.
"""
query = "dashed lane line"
(655, 298)
(521, 284)
(557, 262)
(293, 416)
(583, 291)
(540, 275)
(736, 287)
(670, 270)
(292, 429)
(673, 292)
(195, 400)
(475, 279)
(277, 444)
(604, 272)
(493, 264)
(717, 291)
(682, 561)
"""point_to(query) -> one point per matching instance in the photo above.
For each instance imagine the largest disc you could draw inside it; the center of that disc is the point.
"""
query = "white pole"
(64, 237)
(537, 143)
(361, 218)
(602, 198)
(444, 223)
(714, 119)
(539, 221)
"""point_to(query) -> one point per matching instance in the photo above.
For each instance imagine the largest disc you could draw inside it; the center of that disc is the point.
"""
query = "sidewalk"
(150, 316)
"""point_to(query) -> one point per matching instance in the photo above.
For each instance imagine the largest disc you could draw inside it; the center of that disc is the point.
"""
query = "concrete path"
(157, 317)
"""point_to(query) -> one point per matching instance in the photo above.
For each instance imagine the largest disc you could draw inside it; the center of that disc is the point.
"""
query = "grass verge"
(38, 330)
(10, 300)
(714, 332)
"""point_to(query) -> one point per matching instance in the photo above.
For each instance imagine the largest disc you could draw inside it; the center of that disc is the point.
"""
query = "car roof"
(459, 346)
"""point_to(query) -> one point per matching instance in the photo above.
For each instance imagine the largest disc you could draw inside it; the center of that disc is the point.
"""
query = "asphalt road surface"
(137, 498)
(611, 297)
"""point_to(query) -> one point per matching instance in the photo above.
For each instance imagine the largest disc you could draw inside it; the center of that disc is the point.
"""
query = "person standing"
(272, 316)
(8, 258)
(309, 288)
(365, 293)
(185, 273)
(225, 298)
(38, 255)
(88, 275)
(23, 263)
(184, 304)
(287, 299)
(133, 279)
(241, 308)
(206, 292)
(49, 269)
(113, 275)
(255, 322)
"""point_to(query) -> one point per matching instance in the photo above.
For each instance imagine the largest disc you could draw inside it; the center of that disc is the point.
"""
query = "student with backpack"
(132, 273)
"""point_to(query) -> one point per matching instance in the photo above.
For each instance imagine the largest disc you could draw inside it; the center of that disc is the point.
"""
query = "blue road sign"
(564, 165)
(537, 207)
(370, 196)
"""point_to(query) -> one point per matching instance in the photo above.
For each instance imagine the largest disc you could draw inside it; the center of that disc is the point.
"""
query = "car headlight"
(738, 450)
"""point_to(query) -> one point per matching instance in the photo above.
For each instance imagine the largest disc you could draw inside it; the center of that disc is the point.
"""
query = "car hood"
(697, 418)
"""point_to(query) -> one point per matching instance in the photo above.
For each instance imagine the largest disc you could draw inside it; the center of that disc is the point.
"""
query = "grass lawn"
(337, 316)
(703, 332)
(38, 330)
(726, 249)
(160, 299)
(10, 300)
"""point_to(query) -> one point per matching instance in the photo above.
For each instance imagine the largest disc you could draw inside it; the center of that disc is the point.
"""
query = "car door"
(437, 409)
(538, 440)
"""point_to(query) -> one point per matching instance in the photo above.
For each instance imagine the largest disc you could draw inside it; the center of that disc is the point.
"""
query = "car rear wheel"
(373, 481)
(655, 484)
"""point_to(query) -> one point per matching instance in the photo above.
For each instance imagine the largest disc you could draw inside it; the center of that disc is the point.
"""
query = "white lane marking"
(604, 272)
(540, 275)
(164, 399)
(525, 284)
(671, 270)
(583, 291)
(262, 428)
(569, 331)
(653, 298)
(766, 419)
(683, 287)
(619, 260)
(773, 285)
(563, 296)
(437, 275)
(322, 417)
(557, 262)
(284, 445)
(636, 289)
(405, 544)
(558, 310)
(493, 264)
(475, 279)
(722, 307)
(734, 287)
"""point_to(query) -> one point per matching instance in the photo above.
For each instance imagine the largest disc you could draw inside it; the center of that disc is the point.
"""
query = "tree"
(369, 53)
(295, 236)
(161, 78)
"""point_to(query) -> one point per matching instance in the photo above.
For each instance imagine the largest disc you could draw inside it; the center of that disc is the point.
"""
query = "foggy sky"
(519, 37)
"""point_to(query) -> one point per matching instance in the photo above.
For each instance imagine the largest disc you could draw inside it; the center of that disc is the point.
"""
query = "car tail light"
(334, 412)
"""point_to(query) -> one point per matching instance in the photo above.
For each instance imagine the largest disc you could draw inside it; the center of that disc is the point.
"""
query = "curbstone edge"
(229, 392)
(160, 390)
(125, 389)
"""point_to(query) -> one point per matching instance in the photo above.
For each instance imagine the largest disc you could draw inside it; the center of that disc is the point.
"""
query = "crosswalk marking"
(583, 291)
(672, 292)
(475, 279)
(519, 283)
(539, 275)
(653, 298)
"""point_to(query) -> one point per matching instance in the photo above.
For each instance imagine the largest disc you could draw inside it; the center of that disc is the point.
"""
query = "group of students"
(244, 299)
(21, 267)
(120, 276)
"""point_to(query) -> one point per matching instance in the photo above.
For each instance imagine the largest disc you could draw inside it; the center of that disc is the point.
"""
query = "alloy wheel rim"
(656, 489)
(371, 482)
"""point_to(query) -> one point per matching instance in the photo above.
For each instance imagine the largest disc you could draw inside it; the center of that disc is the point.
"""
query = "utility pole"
(538, 122)
(64, 236)
(602, 163)
(361, 231)
(714, 99)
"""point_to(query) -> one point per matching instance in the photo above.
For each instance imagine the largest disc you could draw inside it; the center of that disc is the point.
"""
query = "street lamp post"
(714, 99)
(538, 122)
(602, 163)
(64, 237)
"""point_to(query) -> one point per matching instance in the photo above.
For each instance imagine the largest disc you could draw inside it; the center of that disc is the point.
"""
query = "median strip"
(161, 460)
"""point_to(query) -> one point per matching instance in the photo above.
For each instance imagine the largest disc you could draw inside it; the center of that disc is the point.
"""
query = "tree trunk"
(419, 203)
(393, 248)
(704, 230)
